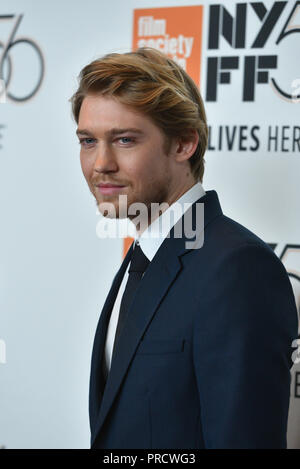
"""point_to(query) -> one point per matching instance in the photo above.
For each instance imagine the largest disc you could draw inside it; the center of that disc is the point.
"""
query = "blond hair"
(155, 85)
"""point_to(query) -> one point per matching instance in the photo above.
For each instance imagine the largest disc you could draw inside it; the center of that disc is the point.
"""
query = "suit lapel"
(96, 378)
(158, 278)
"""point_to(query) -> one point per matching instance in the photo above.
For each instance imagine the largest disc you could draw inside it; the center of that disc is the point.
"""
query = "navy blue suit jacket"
(204, 359)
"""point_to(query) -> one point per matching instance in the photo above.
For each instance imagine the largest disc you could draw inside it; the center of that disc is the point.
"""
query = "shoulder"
(243, 283)
(235, 261)
(227, 242)
(224, 236)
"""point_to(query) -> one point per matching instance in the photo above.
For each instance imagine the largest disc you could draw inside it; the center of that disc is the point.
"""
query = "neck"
(153, 215)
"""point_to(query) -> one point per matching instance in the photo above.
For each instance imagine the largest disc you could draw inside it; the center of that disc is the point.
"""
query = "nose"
(105, 160)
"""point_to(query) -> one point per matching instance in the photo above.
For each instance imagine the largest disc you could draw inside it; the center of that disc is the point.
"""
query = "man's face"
(121, 146)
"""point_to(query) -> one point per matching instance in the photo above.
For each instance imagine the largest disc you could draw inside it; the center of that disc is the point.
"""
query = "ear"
(186, 146)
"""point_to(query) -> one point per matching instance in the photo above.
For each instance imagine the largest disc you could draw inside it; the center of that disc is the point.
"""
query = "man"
(193, 346)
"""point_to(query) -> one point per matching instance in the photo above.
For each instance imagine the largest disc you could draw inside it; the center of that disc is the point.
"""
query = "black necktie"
(138, 265)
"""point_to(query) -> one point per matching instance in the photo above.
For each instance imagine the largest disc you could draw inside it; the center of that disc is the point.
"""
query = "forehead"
(100, 113)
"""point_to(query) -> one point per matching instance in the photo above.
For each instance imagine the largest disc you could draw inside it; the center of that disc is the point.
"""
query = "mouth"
(108, 189)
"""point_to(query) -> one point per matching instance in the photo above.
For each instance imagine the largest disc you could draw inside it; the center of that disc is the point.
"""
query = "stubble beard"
(118, 206)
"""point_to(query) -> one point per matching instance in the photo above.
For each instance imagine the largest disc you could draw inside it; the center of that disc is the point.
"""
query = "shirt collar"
(151, 239)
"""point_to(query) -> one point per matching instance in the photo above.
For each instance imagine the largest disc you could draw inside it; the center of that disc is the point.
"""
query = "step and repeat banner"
(55, 269)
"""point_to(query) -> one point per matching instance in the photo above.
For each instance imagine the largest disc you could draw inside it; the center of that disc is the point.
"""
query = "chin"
(111, 210)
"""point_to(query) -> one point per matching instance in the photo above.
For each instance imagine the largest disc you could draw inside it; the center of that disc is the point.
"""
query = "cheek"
(147, 166)
(136, 171)
(86, 166)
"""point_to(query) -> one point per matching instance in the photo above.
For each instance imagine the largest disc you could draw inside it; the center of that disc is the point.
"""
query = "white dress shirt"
(150, 241)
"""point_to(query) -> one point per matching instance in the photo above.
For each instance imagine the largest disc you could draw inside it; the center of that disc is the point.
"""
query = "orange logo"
(176, 31)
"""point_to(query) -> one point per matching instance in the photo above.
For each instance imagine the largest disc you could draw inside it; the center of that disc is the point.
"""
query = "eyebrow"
(111, 132)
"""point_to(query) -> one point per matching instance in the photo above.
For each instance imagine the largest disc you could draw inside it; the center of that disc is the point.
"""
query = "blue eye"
(86, 141)
(126, 139)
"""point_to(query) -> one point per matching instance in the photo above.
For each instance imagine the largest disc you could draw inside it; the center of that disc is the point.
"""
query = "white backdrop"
(54, 271)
